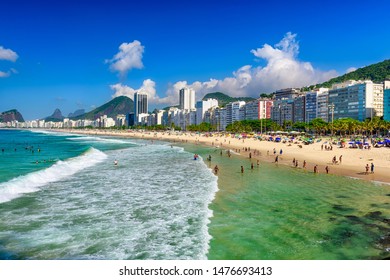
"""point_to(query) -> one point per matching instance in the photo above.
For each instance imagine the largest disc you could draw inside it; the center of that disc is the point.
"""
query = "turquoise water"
(158, 203)
(280, 212)
(82, 206)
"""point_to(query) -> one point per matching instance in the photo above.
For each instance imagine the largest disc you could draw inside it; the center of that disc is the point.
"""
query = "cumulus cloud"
(148, 87)
(4, 74)
(8, 54)
(128, 57)
(351, 69)
(283, 69)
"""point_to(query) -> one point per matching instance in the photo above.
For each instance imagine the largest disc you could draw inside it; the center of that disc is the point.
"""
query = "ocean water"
(75, 204)
(159, 203)
(278, 212)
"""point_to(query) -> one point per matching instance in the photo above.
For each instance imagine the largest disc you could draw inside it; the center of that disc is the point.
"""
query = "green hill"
(118, 105)
(377, 73)
(224, 99)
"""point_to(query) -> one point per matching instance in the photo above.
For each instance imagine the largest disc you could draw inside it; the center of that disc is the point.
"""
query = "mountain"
(11, 115)
(224, 99)
(377, 73)
(55, 117)
(118, 105)
(76, 113)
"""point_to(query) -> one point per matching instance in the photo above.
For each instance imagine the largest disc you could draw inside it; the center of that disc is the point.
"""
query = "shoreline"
(353, 160)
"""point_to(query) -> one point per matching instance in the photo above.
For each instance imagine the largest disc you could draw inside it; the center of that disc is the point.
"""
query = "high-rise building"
(356, 99)
(386, 101)
(299, 110)
(316, 104)
(140, 106)
(282, 111)
(187, 99)
(322, 105)
(235, 111)
(202, 107)
(288, 93)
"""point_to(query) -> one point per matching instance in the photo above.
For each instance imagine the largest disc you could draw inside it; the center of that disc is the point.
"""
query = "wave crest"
(32, 182)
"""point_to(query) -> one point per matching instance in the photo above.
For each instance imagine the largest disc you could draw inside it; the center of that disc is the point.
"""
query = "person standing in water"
(242, 169)
(115, 162)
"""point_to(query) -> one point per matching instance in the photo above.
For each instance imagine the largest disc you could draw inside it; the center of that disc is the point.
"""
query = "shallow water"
(280, 212)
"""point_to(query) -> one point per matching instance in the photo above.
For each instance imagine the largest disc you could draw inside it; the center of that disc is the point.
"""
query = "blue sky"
(81, 54)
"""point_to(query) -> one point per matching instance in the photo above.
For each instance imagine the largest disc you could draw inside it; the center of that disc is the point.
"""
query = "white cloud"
(4, 74)
(351, 69)
(128, 57)
(148, 87)
(8, 54)
(282, 70)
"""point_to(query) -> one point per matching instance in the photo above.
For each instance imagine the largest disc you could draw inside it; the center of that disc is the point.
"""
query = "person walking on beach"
(327, 169)
(334, 160)
(304, 164)
(296, 163)
(277, 159)
(242, 169)
(316, 168)
(340, 158)
(250, 155)
(367, 168)
(274, 151)
(372, 167)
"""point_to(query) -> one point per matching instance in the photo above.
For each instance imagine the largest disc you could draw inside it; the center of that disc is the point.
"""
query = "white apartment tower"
(140, 106)
(187, 99)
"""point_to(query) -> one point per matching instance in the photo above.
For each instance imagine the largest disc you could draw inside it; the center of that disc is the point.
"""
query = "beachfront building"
(252, 110)
(219, 118)
(130, 119)
(140, 106)
(282, 111)
(355, 99)
(386, 101)
(235, 111)
(299, 109)
(202, 107)
(186, 99)
(316, 104)
(120, 120)
(265, 108)
(323, 104)
(258, 109)
(287, 93)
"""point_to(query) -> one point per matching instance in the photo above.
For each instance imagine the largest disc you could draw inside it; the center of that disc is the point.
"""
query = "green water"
(278, 212)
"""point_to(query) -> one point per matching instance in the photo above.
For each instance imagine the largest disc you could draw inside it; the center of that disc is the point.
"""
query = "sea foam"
(60, 170)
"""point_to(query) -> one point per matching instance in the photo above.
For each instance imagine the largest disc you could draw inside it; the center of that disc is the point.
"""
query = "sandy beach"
(353, 161)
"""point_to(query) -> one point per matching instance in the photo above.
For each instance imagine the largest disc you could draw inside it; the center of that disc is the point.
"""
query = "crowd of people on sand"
(369, 169)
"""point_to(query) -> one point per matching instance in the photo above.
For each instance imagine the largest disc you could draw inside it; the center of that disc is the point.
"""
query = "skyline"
(80, 55)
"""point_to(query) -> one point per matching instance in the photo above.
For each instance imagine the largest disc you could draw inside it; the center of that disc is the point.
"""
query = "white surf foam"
(34, 181)
(99, 139)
